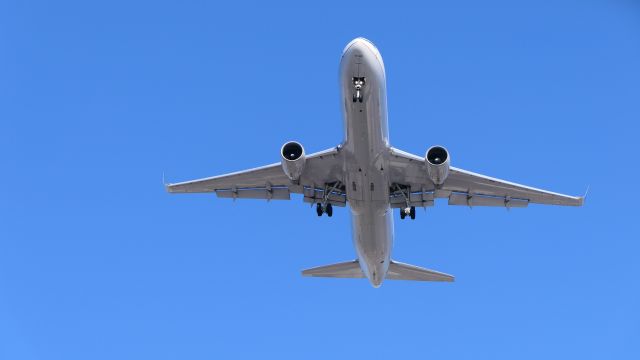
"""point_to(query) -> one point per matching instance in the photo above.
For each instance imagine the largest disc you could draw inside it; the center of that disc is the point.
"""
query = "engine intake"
(437, 163)
(293, 159)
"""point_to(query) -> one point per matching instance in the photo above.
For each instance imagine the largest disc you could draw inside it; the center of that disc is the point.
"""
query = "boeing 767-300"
(370, 175)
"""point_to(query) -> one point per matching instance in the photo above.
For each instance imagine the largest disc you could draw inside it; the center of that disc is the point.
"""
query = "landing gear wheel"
(358, 83)
(402, 214)
(412, 213)
(319, 209)
(329, 210)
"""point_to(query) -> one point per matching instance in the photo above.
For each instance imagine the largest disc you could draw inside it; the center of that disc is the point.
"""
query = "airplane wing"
(322, 173)
(463, 187)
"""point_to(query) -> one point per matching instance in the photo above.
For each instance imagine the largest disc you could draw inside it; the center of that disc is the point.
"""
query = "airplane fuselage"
(366, 147)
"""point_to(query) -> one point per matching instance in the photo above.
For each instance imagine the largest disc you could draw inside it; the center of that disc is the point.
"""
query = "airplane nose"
(358, 46)
(362, 51)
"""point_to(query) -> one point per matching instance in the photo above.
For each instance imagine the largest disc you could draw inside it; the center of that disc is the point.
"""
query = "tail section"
(397, 271)
(401, 271)
(349, 269)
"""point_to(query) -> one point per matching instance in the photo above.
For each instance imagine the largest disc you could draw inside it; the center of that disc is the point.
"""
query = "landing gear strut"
(325, 206)
(408, 209)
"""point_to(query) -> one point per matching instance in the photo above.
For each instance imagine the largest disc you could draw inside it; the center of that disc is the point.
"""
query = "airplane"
(370, 175)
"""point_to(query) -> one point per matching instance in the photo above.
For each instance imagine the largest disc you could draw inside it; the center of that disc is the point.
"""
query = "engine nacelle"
(437, 163)
(293, 159)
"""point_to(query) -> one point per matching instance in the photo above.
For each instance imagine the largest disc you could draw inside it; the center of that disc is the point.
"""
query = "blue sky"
(98, 99)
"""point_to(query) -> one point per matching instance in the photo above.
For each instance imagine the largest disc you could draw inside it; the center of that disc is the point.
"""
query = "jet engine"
(437, 163)
(293, 159)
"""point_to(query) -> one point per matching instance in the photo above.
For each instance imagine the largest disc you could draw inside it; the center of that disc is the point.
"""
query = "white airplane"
(372, 176)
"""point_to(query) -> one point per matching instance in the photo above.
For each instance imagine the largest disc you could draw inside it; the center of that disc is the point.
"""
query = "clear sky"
(98, 99)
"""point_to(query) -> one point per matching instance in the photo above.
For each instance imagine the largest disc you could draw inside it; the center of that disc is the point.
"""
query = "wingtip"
(167, 186)
(584, 197)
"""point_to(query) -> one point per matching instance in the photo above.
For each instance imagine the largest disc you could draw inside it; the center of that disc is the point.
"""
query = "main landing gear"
(411, 211)
(325, 206)
(328, 209)
(408, 209)
(358, 83)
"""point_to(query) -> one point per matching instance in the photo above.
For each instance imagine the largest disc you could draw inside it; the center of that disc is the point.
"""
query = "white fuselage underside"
(366, 149)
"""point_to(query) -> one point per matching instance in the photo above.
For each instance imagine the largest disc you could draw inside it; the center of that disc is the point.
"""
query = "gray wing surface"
(252, 178)
(464, 187)
(402, 271)
(270, 182)
(348, 269)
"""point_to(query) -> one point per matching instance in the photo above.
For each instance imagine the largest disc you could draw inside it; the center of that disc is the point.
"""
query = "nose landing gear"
(358, 83)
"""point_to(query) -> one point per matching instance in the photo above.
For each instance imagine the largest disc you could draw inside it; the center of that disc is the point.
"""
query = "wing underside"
(409, 185)
(323, 170)
(462, 187)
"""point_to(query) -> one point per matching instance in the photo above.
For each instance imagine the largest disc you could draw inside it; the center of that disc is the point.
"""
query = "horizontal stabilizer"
(400, 271)
(349, 269)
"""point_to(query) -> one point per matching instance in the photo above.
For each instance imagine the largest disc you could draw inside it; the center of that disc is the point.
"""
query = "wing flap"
(336, 195)
(267, 194)
(483, 200)
(417, 198)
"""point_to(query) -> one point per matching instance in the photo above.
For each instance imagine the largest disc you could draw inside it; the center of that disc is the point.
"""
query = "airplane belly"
(364, 100)
(372, 226)
(377, 188)
(363, 85)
